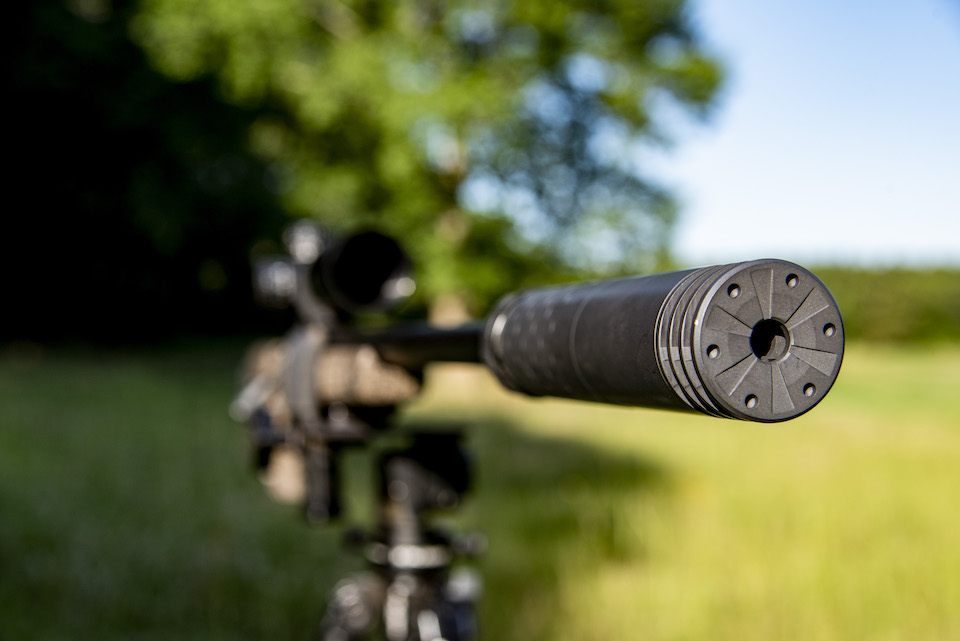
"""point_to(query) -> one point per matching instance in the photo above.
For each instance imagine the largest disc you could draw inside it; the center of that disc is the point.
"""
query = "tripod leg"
(354, 609)
(399, 606)
(416, 610)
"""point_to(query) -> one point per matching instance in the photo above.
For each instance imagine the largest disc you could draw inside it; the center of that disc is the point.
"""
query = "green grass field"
(128, 510)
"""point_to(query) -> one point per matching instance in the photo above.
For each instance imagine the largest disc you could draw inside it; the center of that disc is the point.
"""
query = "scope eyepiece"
(759, 341)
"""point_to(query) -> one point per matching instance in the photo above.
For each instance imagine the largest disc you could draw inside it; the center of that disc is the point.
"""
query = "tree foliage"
(158, 140)
(137, 198)
(897, 305)
(417, 115)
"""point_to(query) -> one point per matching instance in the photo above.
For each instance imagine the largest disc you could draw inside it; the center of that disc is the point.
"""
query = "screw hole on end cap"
(751, 402)
(829, 330)
(792, 281)
(733, 291)
(713, 352)
(809, 389)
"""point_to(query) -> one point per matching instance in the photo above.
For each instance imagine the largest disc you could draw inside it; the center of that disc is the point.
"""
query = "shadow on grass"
(555, 511)
(127, 511)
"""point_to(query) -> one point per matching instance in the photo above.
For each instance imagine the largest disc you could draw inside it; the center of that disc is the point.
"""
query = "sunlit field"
(128, 510)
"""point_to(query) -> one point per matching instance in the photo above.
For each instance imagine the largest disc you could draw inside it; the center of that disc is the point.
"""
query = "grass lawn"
(128, 510)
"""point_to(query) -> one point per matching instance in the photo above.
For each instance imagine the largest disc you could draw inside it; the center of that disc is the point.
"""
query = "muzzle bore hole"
(770, 340)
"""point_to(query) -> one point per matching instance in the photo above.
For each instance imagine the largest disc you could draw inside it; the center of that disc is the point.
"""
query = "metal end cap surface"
(768, 341)
(759, 341)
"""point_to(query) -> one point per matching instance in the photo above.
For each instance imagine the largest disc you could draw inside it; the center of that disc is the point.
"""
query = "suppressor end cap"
(768, 342)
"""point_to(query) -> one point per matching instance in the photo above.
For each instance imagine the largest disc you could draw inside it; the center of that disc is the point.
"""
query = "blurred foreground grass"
(127, 509)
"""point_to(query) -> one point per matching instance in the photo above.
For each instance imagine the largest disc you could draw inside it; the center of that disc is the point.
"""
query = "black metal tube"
(413, 346)
(760, 340)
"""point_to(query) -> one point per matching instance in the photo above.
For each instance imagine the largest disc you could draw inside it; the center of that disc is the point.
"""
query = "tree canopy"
(496, 139)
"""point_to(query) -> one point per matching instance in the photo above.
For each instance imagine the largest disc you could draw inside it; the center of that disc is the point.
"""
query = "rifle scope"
(367, 271)
(362, 272)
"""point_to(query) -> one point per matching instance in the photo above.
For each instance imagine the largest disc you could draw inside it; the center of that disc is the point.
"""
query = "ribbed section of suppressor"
(760, 341)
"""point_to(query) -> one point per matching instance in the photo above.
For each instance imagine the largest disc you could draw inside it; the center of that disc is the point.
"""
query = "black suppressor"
(759, 341)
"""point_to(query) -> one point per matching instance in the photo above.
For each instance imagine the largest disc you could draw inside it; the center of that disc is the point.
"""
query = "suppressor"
(760, 341)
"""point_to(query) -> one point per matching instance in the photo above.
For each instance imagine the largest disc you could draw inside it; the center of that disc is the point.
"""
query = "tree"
(133, 201)
(157, 142)
(444, 122)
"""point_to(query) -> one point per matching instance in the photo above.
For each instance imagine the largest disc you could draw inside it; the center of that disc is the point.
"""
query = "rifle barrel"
(413, 346)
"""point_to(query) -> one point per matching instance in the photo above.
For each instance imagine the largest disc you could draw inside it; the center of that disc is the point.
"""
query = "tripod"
(411, 592)
(328, 386)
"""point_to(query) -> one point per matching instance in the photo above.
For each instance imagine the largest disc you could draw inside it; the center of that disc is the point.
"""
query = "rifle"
(760, 341)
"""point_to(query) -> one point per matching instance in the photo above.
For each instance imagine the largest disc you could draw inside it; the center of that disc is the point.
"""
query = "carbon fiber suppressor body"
(760, 340)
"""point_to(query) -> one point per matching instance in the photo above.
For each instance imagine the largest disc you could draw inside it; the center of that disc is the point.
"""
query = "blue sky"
(837, 137)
